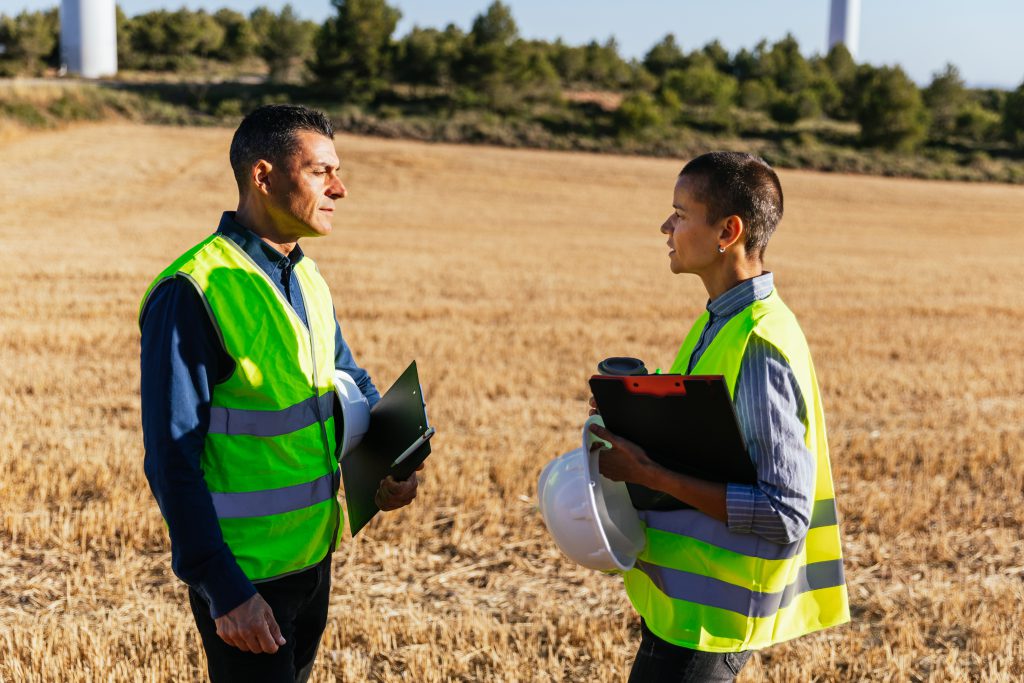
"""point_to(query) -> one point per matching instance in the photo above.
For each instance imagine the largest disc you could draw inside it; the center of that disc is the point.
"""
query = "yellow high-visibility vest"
(699, 585)
(268, 458)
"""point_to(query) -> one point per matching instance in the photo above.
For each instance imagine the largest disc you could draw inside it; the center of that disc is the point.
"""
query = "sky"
(981, 37)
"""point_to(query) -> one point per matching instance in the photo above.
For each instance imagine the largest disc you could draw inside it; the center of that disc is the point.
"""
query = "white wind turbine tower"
(844, 25)
(88, 37)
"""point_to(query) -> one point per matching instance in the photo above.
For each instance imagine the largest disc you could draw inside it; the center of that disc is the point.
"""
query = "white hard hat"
(590, 517)
(351, 413)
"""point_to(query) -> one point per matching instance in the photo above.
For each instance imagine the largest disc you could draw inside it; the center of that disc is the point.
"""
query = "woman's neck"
(728, 274)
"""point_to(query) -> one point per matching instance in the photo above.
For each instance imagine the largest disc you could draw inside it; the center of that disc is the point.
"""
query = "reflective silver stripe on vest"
(705, 590)
(238, 421)
(276, 501)
(824, 513)
(700, 527)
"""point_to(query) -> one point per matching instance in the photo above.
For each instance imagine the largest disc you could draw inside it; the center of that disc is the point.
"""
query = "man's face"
(304, 186)
(692, 241)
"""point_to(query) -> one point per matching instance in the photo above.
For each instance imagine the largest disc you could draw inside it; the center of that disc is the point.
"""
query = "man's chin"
(320, 229)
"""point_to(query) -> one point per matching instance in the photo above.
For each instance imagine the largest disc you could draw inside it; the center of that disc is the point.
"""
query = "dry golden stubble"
(508, 275)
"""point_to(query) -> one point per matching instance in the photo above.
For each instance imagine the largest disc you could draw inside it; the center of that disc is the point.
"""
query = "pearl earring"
(721, 249)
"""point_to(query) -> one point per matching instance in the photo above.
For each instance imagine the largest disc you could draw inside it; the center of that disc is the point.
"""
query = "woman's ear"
(733, 231)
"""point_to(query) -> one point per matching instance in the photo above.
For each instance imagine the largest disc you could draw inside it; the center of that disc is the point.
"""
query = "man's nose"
(666, 227)
(337, 189)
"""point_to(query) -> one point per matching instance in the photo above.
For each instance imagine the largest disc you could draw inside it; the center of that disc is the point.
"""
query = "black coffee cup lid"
(622, 365)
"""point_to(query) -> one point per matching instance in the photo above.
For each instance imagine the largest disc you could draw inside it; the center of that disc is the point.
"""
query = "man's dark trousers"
(658, 661)
(299, 602)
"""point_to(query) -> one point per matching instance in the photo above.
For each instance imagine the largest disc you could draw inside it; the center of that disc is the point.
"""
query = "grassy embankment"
(579, 122)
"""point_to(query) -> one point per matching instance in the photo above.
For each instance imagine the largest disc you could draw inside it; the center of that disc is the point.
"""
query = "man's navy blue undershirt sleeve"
(179, 371)
(182, 361)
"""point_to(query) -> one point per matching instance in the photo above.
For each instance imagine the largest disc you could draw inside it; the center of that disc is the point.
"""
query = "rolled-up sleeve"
(771, 411)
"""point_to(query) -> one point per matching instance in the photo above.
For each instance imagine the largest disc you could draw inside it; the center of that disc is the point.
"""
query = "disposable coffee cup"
(622, 366)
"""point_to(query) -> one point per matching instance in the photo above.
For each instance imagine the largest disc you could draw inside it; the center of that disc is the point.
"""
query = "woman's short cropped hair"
(740, 184)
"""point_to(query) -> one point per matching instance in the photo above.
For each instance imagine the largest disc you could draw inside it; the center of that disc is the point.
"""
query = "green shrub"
(637, 114)
(755, 95)
(701, 84)
(889, 109)
(977, 123)
(1013, 117)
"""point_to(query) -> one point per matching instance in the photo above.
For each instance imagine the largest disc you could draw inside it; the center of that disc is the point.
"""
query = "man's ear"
(733, 231)
(261, 176)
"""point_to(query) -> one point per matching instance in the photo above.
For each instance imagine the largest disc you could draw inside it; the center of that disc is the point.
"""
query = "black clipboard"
(396, 443)
(685, 423)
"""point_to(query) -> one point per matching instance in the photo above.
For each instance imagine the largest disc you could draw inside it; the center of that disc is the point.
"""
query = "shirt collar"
(265, 256)
(742, 295)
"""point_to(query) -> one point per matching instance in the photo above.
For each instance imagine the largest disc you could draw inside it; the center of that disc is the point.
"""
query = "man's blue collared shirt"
(182, 361)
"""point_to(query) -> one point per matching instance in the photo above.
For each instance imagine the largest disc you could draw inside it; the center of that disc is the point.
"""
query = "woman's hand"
(624, 461)
(593, 407)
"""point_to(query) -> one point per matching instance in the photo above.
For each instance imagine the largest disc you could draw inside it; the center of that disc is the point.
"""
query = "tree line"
(354, 56)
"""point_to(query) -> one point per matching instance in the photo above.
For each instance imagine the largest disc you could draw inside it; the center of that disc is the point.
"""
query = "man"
(744, 566)
(239, 346)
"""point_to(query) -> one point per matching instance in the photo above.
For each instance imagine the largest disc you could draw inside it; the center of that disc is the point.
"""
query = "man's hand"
(251, 627)
(392, 494)
(624, 461)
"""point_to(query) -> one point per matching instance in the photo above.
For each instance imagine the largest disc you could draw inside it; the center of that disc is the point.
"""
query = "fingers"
(264, 640)
(251, 627)
(395, 494)
(263, 636)
(399, 488)
(275, 630)
(238, 637)
(229, 638)
(602, 432)
(606, 466)
(252, 639)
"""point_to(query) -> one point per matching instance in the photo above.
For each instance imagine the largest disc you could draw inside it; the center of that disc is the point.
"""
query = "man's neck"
(262, 224)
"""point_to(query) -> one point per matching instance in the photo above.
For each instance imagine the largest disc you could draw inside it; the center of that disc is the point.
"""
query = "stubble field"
(508, 275)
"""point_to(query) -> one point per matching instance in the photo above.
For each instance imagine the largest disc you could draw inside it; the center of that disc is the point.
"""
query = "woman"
(747, 565)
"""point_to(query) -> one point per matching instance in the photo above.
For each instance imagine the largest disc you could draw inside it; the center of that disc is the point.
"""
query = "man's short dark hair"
(734, 183)
(269, 133)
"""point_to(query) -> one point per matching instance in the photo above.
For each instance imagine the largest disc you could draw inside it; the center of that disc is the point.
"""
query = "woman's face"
(692, 241)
